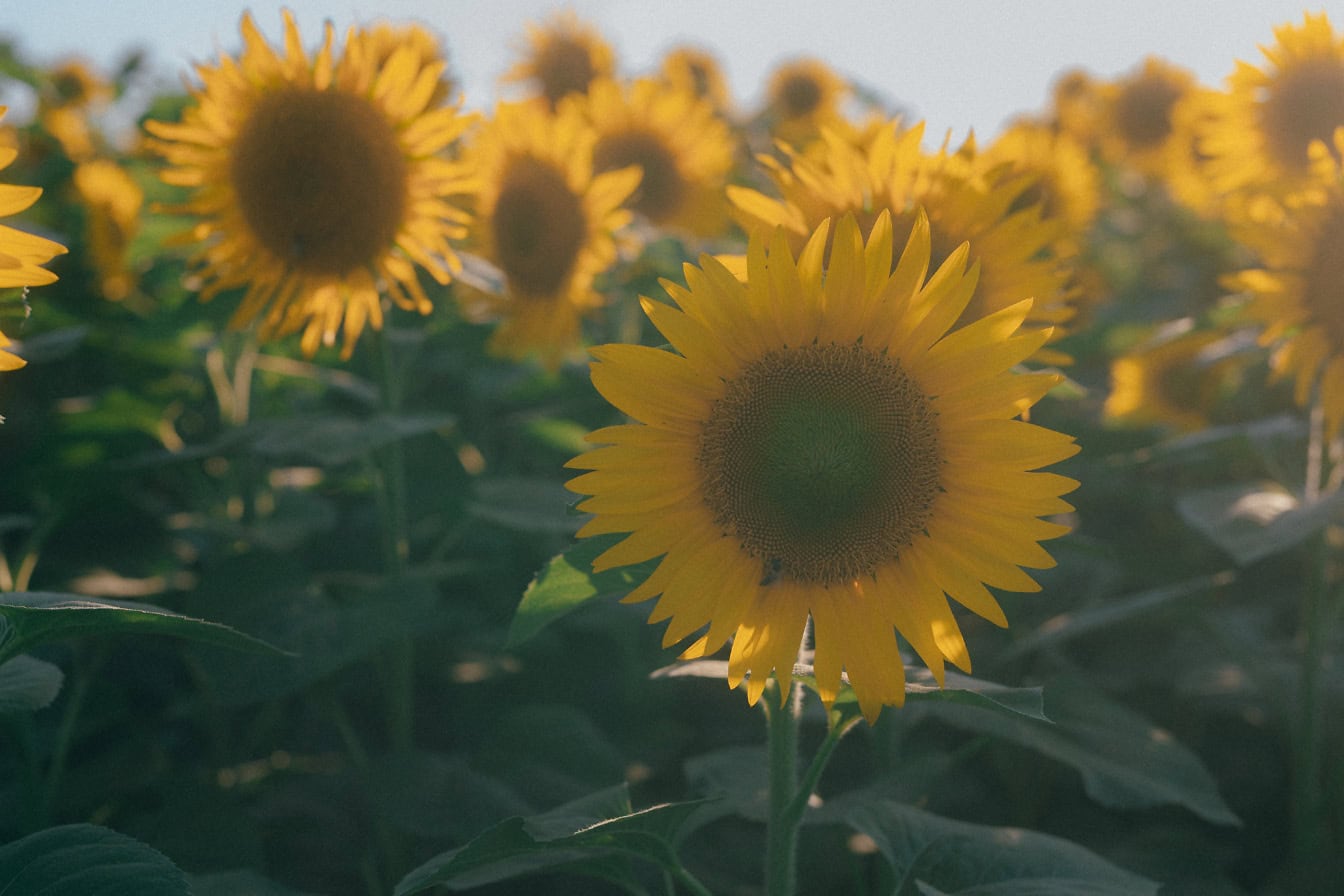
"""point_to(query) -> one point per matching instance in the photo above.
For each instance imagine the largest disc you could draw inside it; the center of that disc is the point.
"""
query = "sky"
(958, 64)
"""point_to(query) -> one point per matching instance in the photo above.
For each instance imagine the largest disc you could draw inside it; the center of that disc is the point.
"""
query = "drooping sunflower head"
(1297, 294)
(563, 56)
(1262, 125)
(22, 254)
(818, 444)
(1173, 380)
(1139, 118)
(547, 222)
(697, 71)
(802, 96)
(112, 201)
(1018, 249)
(318, 182)
(683, 149)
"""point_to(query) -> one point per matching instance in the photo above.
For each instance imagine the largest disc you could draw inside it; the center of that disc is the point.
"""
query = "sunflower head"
(802, 95)
(1173, 380)
(1139, 117)
(546, 221)
(317, 182)
(698, 72)
(112, 202)
(818, 444)
(563, 56)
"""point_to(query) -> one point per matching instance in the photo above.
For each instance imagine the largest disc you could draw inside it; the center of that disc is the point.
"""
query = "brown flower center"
(320, 179)
(1323, 280)
(564, 66)
(538, 228)
(662, 188)
(1143, 110)
(1304, 103)
(823, 461)
(799, 95)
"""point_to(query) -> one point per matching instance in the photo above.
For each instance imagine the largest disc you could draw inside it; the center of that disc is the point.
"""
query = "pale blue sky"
(958, 64)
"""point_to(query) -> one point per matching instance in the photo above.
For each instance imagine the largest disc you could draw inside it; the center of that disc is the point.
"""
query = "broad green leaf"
(35, 617)
(439, 797)
(1251, 521)
(524, 504)
(86, 860)
(931, 854)
(920, 687)
(237, 883)
(28, 684)
(592, 836)
(568, 581)
(332, 441)
(1126, 761)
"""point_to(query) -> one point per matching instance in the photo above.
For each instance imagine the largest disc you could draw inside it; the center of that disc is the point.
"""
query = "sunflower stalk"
(782, 716)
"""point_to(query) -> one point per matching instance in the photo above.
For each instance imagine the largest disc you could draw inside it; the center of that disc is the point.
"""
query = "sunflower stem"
(782, 717)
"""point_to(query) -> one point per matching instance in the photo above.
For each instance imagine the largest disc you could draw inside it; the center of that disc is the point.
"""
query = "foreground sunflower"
(1259, 129)
(1298, 292)
(318, 182)
(21, 254)
(818, 444)
(547, 222)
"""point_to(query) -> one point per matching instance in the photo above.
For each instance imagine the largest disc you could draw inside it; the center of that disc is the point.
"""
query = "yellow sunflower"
(1076, 105)
(547, 222)
(682, 147)
(318, 183)
(1138, 121)
(21, 254)
(802, 96)
(563, 56)
(697, 71)
(1263, 123)
(1017, 247)
(1173, 380)
(112, 201)
(819, 444)
(1298, 292)
(1066, 182)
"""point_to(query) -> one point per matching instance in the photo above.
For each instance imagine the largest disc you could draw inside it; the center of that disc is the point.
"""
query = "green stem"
(781, 873)
(60, 751)
(688, 880)
(1309, 803)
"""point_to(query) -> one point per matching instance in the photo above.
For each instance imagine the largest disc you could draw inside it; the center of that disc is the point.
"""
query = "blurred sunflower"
(1138, 120)
(1173, 380)
(563, 56)
(546, 221)
(1298, 293)
(318, 183)
(1076, 106)
(698, 72)
(21, 254)
(682, 147)
(1017, 248)
(1261, 126)
(819, 444)
(801, 97)
(69, 91)
(1066, 184)
(383, 39)
(112, 201)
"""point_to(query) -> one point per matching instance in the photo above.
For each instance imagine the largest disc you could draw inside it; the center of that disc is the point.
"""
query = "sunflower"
(318, 183)
(1076, 105)
(70, 91)
(1066, 182)
(1017, 248)
(547, 222)
(1262, 125)
(819, 444)
(112, 201)
(1172, 380)
(697, 71)
(1298, 292)
(1138, 118)
(802, 96)
(682, 147)
(21, 254)
(563, 56)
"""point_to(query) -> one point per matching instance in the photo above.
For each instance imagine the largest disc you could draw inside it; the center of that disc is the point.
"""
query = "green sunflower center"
(1304, 103)
(321, 179)
(1143, 111)
(662, 187)
(823, 461)
(538, 228)
(564, 66)
(1324, 274)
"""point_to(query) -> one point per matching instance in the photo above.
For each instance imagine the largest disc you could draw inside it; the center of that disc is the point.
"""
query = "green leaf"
(28, 684)
(567, 582)
(332, 441)
(437, 796)
(237, 883)
(1126, 761)
(39, 617)
(524, 504)
(86, 860)
(934, 855)
(591, 836)
(1251, 521)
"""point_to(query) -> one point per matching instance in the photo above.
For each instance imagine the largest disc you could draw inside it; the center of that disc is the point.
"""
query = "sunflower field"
(624, 489)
